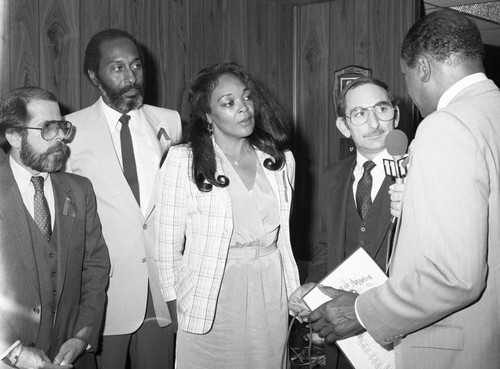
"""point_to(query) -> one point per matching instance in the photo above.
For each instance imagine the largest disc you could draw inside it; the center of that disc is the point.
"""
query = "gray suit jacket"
(441, 303)
(83, 265)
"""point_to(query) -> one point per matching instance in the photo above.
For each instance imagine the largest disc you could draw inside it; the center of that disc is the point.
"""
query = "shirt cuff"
(356, 311)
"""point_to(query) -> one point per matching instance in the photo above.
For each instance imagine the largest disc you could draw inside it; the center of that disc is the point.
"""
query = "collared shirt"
(27, 189)
(456, 88)
(378, 172)
(147, 155)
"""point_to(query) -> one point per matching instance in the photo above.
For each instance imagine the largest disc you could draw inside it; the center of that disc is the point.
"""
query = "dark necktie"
(41, 207)
(128, 158)
(364, 190)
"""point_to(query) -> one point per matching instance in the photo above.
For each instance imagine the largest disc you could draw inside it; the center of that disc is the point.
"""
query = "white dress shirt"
(378, 172)
(146, 153)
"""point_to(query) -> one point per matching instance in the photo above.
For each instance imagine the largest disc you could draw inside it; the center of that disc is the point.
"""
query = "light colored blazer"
(441, 304)
(82, 263)
(194, 229)
(128, 233)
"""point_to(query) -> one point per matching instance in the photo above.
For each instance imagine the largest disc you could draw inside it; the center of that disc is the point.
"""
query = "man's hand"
(336, 319)
(69, 351)
(396, 192)
(296, 305)
(33, 358)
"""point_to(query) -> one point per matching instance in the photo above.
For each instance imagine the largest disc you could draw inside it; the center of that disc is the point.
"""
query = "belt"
(250, 252)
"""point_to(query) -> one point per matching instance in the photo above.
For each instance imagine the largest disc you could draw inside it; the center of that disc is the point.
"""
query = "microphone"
(396, 144)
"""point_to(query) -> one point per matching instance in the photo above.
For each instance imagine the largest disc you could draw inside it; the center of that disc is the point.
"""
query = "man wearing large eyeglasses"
(54, 263)
(367, 112)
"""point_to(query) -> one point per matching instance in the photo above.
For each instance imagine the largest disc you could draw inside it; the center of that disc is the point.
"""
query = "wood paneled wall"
(293, 47)
(42, 42)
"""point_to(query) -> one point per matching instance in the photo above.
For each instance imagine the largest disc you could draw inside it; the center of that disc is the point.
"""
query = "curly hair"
(93, 50)
(272, 133)
(14, 113)
(365, 80)
(446, 35)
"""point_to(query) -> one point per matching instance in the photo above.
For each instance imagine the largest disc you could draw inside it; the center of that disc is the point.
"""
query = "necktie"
(364, 190)
(128, 158)
(42, 213)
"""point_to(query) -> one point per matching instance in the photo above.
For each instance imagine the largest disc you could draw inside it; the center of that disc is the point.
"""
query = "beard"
(50, 161)
(114, 96)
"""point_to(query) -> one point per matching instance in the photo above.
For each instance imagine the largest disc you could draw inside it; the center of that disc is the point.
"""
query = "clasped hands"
(335, 319)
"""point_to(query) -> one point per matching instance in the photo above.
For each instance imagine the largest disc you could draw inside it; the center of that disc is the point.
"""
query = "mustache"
(133, 86)
(375, 132)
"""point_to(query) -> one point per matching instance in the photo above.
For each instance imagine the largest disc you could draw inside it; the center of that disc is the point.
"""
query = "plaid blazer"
(193, 233)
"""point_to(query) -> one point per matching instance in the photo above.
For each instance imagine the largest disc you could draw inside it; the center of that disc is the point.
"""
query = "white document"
(358, 273)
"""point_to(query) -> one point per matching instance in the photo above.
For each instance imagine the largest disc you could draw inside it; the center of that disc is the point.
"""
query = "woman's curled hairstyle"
(272, 133)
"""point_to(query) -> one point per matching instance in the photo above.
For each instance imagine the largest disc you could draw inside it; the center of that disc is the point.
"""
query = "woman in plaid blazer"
(223, 233)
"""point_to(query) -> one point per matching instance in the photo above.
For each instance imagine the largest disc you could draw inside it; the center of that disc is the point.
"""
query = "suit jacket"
(128, 233)
(194, 231)
(335, 188)
(82, 261)
(441, 303)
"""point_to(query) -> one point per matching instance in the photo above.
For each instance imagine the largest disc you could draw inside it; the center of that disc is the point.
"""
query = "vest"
(367, 233)
(46, 261)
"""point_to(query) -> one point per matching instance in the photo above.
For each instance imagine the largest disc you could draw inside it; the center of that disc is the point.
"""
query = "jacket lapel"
(14, 212)
(109, 164)
(341, 189)
(163, 142)
(65, 213)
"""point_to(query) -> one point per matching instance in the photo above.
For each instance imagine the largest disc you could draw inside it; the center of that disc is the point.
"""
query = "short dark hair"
(93, 50)
(14, 113)
(446, 35)
(365, 80)
(272, 132)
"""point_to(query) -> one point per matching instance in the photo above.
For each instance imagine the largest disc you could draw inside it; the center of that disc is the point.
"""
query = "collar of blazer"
(110, 163)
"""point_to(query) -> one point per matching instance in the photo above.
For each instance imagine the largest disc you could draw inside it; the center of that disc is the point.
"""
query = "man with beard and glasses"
(119, 146)
(367, 112)
(54, 263)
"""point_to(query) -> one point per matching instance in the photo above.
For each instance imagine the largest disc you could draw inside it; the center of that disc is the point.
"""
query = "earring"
(210, 128)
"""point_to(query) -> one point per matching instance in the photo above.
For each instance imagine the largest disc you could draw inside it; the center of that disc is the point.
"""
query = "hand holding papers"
(335, 319)
(335, 316)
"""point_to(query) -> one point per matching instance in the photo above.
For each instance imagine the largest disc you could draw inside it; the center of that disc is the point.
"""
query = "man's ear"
(14, 138)
(396, 116)
(342, 126)
(423, 66)
(93, 77)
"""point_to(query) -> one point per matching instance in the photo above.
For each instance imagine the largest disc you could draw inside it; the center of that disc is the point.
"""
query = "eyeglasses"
(383, 111)
(50, 129)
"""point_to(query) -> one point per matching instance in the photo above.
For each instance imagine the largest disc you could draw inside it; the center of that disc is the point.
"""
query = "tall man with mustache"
(119, 146)
(54, 263)
(366, 112)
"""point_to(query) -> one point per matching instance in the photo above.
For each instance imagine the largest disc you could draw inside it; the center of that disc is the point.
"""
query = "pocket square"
(165, 142)
(69, 208)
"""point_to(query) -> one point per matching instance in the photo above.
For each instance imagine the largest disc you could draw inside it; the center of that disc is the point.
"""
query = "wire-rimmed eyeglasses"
(383, 111)
(50, 129)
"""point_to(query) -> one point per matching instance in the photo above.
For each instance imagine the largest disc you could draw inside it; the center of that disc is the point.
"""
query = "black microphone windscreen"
(396, 143)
